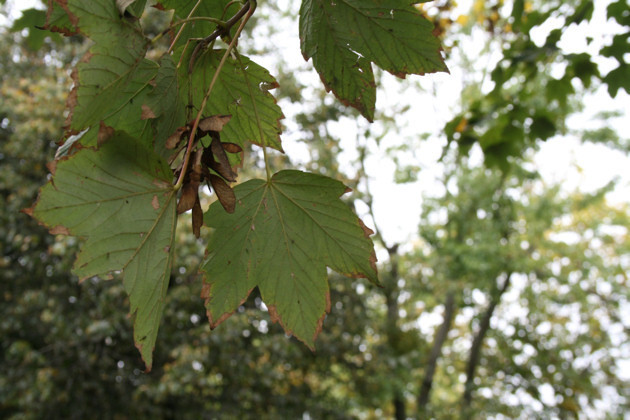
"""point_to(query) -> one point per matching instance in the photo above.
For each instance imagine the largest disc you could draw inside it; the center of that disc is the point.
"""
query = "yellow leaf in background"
(461, 126)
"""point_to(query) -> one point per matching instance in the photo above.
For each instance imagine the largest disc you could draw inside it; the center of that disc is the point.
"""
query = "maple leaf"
(282, 236)
(120, 199)
(345, 36)
(113, 77)
(242, 91)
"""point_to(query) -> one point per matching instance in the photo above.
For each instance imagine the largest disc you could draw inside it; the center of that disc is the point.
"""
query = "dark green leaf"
(59, 19)
(113, 73)
(281, 237)
(344, 37)
(120, 199)
(242, 91)
(165, 103)
(33, 20)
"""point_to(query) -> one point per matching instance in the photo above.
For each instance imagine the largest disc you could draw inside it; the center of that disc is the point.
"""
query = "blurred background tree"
(509, 302)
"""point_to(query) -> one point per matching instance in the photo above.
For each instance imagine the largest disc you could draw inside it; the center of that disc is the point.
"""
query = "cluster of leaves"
(65, 347)
(143, 135)
(527, 103)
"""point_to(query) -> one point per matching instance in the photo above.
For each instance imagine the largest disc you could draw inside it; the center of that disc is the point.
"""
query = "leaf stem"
(181, 29)
(159, 36)
(224, 29)
(191, 139)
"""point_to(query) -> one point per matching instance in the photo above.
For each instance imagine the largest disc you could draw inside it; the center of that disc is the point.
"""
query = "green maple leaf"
(59, 19)
(33, 20)
(165, 104)
(344, 37)
(282, 236)
(242, 91)
(217, 9)
(119, 198)
(113, 78)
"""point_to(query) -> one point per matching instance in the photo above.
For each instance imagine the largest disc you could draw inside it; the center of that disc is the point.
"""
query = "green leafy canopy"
(149, 125)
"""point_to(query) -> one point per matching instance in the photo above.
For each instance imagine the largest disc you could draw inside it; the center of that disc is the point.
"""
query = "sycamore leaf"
(218, 9)
(113, 78)
(165, 103)
(33, 20)
(59, 19)
(618, 79)
(242, 91)
(119, 198)
(281, 237)
(344, 37)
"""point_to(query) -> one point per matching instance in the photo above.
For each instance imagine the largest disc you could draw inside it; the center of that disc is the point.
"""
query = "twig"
(181, 29)
(224, 29)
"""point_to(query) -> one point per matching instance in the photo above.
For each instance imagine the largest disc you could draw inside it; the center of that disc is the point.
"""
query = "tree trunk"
(436, 351)
(475, 350)
(399, 408)
(390, 290)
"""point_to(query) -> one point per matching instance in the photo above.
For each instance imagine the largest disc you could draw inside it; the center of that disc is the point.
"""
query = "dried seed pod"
(173, 140)
(224, 193)
(232, 147)
(188, 198)
(197, 218)
(219, 161)
(214, 123)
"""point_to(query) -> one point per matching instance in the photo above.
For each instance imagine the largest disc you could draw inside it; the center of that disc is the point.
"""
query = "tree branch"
(436, 351)
(475, 350)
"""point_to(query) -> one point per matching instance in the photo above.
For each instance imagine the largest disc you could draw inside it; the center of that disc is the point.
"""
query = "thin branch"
(436, 352)
(475, 350)
(183, 22)
(377, 235)
(248, 8)
(181, 29)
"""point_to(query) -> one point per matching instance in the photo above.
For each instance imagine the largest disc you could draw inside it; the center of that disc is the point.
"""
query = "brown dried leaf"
(232, 147)
(59, 230)
(52, 166)
(72, 99)
(214, 123)
(28, 211)
(224, 193)
(367, 232)
(147, 113)
(104, 133)
(175, 138)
